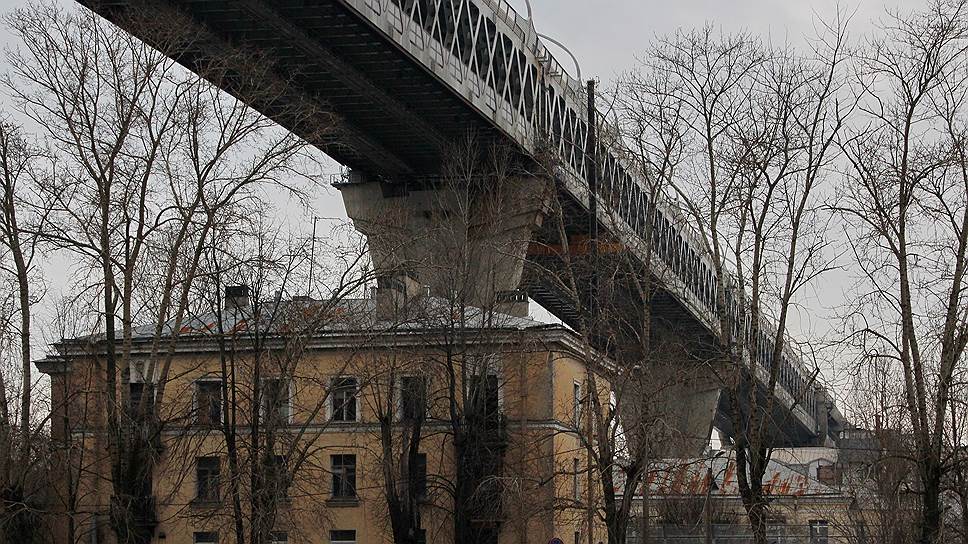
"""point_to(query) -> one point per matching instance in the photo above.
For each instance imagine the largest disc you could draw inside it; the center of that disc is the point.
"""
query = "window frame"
(210, 537)
(401, 405)
(287, 405)
(337, 492)
(141, 385)
(816, 525)
(331, 405)
(212, 496)
(421, 491)
(576, 480)
(499, 390)
(577, 403)
(280, 466)
(333, 539)
(195, 401)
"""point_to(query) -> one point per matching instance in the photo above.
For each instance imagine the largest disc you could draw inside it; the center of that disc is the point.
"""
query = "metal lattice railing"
(494, 57)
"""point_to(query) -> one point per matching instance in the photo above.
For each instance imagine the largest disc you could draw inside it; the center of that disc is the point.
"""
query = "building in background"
(692, 498)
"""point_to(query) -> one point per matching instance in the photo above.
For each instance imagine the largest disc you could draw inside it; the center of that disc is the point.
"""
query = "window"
(208, 402)
(278, 537)
(344, 476)
(205, 537)
(278, 475)
(137, 391)
(342, 537)
(207, 471)
(576, 403)
(275, 401)
(577, 537)
(413, 397)
(344, 399)
(818, 531)
(575, 480)
(418, 477)
(484, 395)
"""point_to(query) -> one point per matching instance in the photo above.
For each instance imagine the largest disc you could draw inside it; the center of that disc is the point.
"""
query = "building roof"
(285, 316)
(690, 477)
(330, 319)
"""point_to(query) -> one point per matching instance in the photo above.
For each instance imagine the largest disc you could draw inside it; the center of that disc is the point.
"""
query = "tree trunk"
(931, 519)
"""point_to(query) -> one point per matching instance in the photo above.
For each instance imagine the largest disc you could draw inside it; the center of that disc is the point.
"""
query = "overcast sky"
(608, 35)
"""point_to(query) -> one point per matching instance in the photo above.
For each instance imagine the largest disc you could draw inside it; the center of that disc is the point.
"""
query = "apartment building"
(312, 415)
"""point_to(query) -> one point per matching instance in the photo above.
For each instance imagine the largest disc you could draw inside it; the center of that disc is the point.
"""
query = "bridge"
(402, 79)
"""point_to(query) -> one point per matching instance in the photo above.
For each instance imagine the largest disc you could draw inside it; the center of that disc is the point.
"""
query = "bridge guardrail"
(537, 96)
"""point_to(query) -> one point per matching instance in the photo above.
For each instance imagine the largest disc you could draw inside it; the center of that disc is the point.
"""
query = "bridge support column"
(684, 411)
(469, 242)
(682, 393)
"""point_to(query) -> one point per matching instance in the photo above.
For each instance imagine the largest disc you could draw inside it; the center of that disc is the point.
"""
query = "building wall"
(536, 394)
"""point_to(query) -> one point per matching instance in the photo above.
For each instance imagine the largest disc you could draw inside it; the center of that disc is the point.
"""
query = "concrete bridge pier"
(683, 393)
(468, 241)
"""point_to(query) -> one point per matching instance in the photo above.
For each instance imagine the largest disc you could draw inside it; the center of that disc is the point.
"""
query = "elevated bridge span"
(403, 78)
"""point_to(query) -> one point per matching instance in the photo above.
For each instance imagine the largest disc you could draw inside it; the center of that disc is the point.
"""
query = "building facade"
(331, 422)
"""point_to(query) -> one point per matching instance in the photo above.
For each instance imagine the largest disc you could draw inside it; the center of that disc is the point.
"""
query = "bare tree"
(23, 217)
(271, 433)
(471, 348)
(154, 159)
(760, 127)
(905, 200)
(877, 462)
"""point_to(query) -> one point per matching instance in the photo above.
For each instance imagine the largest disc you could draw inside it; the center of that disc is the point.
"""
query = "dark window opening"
(207, 475)
(343, 468)
(208, 403)
(275, 401)
(205, 537)
(139, 393)
(342, 537)
(484, 395)
(418, 477)
(413, 397)
(277, 474)
(344, 399)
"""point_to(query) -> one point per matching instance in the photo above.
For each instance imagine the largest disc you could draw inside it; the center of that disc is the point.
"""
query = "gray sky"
(607, 36)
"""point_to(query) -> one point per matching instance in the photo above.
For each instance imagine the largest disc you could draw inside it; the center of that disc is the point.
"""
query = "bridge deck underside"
(391, 118)
(620, 306)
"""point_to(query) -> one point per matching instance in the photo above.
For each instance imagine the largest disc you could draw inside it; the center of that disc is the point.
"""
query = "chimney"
(394, 291)
(236, 297)
(513, 303)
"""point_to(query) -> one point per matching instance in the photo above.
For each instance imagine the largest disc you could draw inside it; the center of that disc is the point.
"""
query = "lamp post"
(707, 511)
(710, 487)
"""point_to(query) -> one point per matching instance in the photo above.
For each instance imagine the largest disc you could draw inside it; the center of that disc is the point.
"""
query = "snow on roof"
(308, 316)
(690, 477)
(678, 477)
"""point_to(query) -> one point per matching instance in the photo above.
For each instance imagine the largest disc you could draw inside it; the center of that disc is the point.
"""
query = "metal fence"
(729, 534)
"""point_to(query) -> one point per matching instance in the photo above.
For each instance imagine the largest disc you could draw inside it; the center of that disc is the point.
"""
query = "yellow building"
(308, 416)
